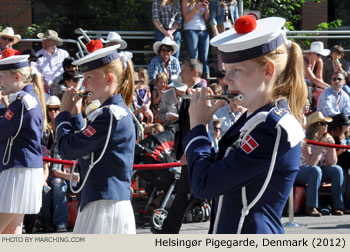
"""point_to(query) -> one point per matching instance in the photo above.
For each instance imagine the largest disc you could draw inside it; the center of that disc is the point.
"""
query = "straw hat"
(165, 41)
(315, 118)
(51, 34)
(9, 33)
(250, 38)
(115, 37)
(317, 47)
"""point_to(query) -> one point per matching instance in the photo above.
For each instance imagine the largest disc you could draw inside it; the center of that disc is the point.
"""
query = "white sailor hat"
(250, 38)
(14, 62)
(98, 58)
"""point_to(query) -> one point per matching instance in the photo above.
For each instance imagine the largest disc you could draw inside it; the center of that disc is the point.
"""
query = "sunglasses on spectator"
(337, 79)
(322, 123)
(53, 109)
(166, 50)
(8, 39)
(217, 129)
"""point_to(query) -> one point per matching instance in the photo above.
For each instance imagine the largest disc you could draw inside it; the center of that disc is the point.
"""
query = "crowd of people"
(95, 108)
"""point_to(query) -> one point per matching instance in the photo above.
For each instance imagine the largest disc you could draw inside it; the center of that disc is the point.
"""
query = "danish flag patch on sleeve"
(9, 114)
(89, 131)
(249, 145)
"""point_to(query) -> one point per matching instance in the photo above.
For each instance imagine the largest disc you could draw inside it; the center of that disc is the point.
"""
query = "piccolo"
(85, 94)
(234, 97)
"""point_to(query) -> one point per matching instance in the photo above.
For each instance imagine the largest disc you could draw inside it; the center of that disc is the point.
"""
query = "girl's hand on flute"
(200, 109)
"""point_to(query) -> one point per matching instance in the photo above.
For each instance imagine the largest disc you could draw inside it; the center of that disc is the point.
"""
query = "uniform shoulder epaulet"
(275, 115)
(293, 129)
(28, 100)
(117, 111)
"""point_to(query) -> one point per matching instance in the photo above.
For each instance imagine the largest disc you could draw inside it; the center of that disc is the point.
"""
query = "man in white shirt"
(50, 58)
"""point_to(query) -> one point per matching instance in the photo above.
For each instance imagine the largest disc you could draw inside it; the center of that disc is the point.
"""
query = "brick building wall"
(16, 13)
(313, 14)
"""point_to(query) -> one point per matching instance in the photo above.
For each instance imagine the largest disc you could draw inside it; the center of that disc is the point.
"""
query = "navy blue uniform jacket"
(246, 166)
(110, 178)
(26, 148)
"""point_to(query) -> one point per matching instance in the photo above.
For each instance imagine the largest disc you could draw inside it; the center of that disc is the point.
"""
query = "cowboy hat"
(317, 47)
(217, 119)
(315, 118)
(52, 35)
(165, 41)
(115, 37)
(339, 120)
(9, 33)
(177, 83)
(53, 101)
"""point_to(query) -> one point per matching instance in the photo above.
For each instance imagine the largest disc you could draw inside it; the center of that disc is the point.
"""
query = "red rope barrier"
(338, 146)
(135, 166)
(177, 164)
(155, 166)
(58, 161)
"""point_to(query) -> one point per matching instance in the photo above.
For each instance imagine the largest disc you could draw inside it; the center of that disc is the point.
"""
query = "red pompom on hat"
(94, 45)
(245, 24)
(10, 52)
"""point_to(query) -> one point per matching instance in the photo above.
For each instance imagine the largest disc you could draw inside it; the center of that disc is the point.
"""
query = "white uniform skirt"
(106, 217)
(21, 190)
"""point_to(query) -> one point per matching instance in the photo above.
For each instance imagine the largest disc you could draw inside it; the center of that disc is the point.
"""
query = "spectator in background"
(196, 15)
(334, 63)
(69, 79)
(167, 19)
(220, 76)
(32, 61)
(313, 64)
(8, 39)
(217, 132)
(334, 100)
(161, 85)
(56, 88)
(170, 102)
(230, 113)
(143, 98)
(157, 128)
(339, 127)
(223, 14)
(318, 164)
(217, 89)
(50, 58)
(164, 61)
(191, 70)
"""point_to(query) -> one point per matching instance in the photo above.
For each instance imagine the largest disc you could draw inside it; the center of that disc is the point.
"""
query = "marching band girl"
(105, 148)
(253, 173)
(21, 164)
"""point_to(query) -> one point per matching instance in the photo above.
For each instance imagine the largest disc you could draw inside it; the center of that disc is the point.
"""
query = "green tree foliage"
(289, 9)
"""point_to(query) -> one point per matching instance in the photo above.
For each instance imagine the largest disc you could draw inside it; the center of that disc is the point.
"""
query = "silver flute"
(234, 97)
(83, 94)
